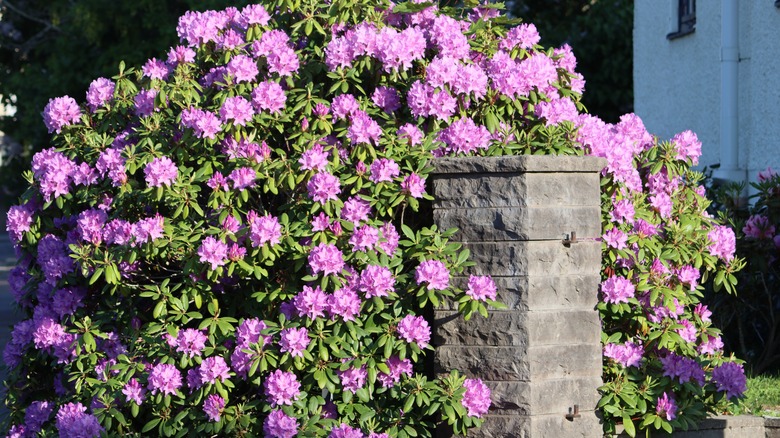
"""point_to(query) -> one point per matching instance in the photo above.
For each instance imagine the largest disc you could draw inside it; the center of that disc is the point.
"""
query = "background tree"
(600, 32)
(51, 48)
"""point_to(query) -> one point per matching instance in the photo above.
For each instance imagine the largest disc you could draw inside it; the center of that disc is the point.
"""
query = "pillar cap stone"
(518, 163)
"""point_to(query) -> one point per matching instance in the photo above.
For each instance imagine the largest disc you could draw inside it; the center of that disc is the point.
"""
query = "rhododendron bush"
(228, 241)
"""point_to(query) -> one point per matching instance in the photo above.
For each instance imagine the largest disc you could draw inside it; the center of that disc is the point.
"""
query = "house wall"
(677, 82)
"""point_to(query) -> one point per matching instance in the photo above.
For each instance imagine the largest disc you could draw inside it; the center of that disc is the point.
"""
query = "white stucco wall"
(677, 82)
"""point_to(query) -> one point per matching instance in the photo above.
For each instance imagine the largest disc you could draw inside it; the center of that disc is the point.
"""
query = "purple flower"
(54, 258)
(314, 158)
(73, 421)
(203, 123)
(723, 242)
(524, 36)
(384, 169)
(144, 102)
(413, 185)
(161, 171)
(689, 275)
(191, 342)
(269, 96)
(249, 332)
(464, 136)
(345, 431)
(617, 289)
(213, 251)
(282, 388)
(481, 288)
(415, 329)
(155, 69)
(628, 354)
(616, 238)
(255, 14)
(376, 281)
(237, 109)
(294, 341)
(326, 258)
(712, 345)
(476, 399)
(213, 368)
(242, 68)
(688, 146)
(243, 178)
(412, 133)
(364, 238)
(355, 210)
(19, 220)
(353, 378)
(363, 129)
(344, 303)
(265, 229)
(133, 391)
(344, 105)
(386, 98)
(323, 187)
(280, 425)
(682, 368)
(165, 379)
(36, 414)
(397, 367)
(311, 302)
(666, 407)
(100, 92)
(730, 378)
(61, 112)
(390, 237)
(180, 55)
(435, 273)
(213, 407)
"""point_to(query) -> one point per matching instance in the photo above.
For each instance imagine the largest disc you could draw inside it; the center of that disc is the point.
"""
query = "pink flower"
(384, 169)
(344, 303)
(413, 185)
(353, 378)
(265, 229)
(191, 342)
(326, 258)
(476, 399)
(282, 388)
(242, 68)
(364, 238)
(237, 109)
(323, 187)
(481, 288)
(615, 238)
(269, 96)
(397, 368)
(213, 251)
(628, 354)
(294, 341)
(134, 391)
(617, 289)
(355, 210)
(311, 302)
(161, 171)
(101, 92)
(19, 220)
(280, 425)
(688, 146)
(61, 112)
(164, 378)
(376, 281)
(345, 431)
(415, 329)
(243, 178)
(314, 158)
(759, 227)
(723, 242)
(712, 345)
(213, 368)
(435, 273)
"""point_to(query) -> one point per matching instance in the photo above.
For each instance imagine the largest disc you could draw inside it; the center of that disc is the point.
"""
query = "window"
(686, 19)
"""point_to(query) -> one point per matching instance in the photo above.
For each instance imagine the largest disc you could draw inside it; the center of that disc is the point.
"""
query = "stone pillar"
(541, 356)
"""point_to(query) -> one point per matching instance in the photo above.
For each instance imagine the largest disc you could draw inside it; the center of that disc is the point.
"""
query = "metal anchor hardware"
(573, 413)
(570, 238)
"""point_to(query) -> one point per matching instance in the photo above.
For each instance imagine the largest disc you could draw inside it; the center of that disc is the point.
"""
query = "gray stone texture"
(534, 258)
(487, 224)
(723, 426)
(542, 354)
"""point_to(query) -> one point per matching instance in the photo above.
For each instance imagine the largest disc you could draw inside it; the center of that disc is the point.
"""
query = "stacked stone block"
(541, 355)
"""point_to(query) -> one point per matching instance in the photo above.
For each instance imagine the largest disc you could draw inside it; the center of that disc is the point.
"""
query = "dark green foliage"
(600, 32)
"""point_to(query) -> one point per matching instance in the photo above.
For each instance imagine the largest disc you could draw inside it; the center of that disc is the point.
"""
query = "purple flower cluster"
(629, 354)
(73, 421)
(282, 388)
(476, 399)
(280, 425)
(61, 112)
(729, 377)
(414, 329)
